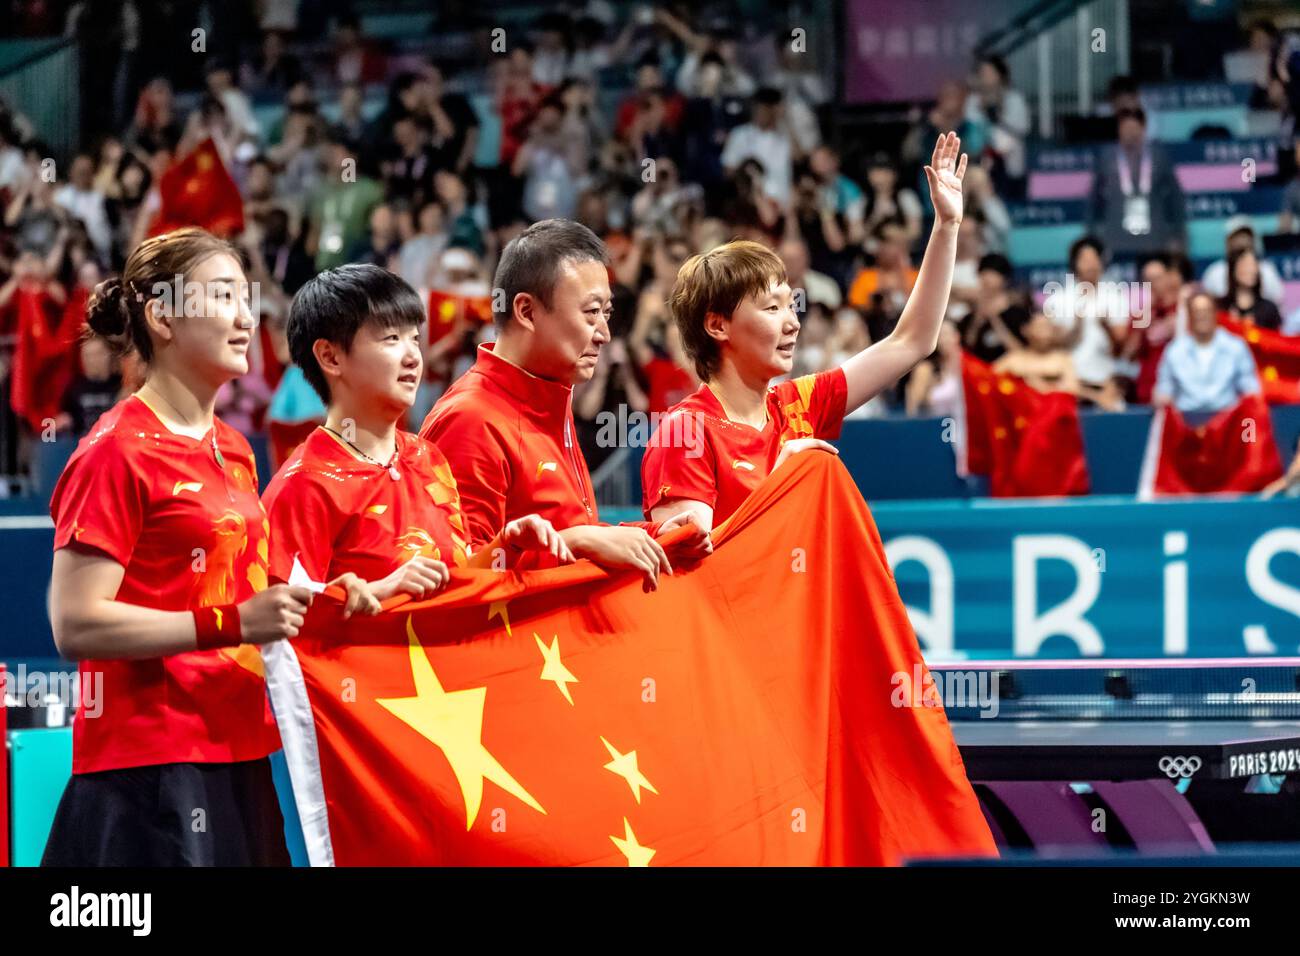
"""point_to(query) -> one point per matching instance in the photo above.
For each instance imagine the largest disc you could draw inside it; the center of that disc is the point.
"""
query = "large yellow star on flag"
(637, 855)
(625, 766)
(453, 722)
(554, 668)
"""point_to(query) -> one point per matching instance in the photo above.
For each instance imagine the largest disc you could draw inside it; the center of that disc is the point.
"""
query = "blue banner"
(1098, 577)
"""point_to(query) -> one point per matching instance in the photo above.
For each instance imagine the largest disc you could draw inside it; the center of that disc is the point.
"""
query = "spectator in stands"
(94, 390)
(802, 91)
(408, 175)
(551, 50)
(934, 387)
(887, 200)
(552, 162)
(736, 80)
(418, 258)
(356, 59)
(12, 170)
(1039, 361)
(1137, 205)
(239, 111)
(1239, 234)
(462, 227)
(891, 277)
(1245, 301)
(948, 113)
(155, 124)
(1206, 369)
(385, 241)
(32, 216)
(814, 220)
(287, 262)
(1122, 94)
(273, 70)
(1155, 327)
(994, 326)
(966, 270)
(651, 134)
(1289, 219)
(339, 212)
(1000, 116)
(83, 201)
(987, 209)
(706, 120)
(517, 97)
(455, 124)
(815, 287)
(766, 139)
(1092, 318)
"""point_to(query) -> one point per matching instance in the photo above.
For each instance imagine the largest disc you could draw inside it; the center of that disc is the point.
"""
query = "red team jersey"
(336, 514)
(190, 534)
(700, 454)
(510, 440)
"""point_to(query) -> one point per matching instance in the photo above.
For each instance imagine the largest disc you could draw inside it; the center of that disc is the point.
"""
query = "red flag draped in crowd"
(1233, 451)
(747, 713)
(45, 358)
(446, 309)
(1276, 355)
(1028, 442)
(198, 191)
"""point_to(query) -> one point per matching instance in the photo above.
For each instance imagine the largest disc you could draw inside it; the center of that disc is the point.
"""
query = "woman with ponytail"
(159, 587)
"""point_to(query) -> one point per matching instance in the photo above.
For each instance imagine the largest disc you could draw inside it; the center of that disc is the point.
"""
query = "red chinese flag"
(447, 308)
(1233, 451)
(45, 358)
(198, 191)
(1028, 442)
(749, 712)
(1276, 355)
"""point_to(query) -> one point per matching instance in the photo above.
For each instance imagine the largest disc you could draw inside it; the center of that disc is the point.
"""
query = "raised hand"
(945, 174)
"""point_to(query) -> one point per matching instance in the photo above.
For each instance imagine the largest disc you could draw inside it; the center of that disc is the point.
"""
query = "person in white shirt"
(1239, 233)
(1002, 111)
(80, 198)
(1092, 317)
(1206, 369)
(766, 139)
(239, 111)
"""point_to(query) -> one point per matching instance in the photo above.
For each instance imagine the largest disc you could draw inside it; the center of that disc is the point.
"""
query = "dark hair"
(531, 261)
(1233, 287)
(994, 262)
(1086, 242)
(998, 64)
(335, 304)
(115, 310)
(1132, 112)
(715, 283)
(1120, 83)
(767, 96)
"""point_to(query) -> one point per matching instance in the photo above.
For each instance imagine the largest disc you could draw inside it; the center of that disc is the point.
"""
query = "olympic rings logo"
(1174, 767)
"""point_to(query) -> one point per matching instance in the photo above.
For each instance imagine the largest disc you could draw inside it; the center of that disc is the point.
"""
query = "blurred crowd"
(707, 132)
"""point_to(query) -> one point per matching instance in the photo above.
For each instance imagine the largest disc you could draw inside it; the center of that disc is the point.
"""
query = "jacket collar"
(537, 398)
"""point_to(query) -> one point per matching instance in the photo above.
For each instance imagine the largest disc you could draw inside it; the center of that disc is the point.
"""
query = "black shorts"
(176, 814)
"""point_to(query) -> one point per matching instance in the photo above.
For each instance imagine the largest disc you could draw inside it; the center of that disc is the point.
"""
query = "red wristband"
(217, 627)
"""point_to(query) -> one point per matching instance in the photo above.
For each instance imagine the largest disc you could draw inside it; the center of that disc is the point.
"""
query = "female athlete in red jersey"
(159, 587)
(734, 309)
(360, 498)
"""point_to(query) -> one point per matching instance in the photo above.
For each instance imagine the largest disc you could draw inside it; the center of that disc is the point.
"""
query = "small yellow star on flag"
(637, 855)
(499, 608)
(625, 766)
(453, 722)
(554, 668)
